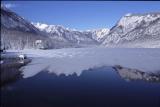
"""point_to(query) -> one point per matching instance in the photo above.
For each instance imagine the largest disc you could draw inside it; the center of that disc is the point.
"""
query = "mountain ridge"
(141, 30)
(132, 30)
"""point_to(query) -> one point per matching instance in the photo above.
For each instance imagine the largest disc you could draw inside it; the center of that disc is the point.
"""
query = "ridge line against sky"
(81, 15)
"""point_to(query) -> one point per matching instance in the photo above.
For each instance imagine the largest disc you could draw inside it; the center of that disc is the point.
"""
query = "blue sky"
(82, 15)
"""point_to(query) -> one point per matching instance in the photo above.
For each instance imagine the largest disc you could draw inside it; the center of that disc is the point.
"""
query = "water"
(96, 87)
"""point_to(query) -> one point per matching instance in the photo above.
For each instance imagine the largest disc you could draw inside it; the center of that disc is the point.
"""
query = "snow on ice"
(68, 61)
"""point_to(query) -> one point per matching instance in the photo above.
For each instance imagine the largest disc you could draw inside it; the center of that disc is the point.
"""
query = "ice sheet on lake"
(72, 60)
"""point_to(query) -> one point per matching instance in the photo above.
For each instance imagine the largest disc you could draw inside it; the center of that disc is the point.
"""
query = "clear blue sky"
(82, 15)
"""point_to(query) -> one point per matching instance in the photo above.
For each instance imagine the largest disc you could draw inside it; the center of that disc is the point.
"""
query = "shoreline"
(10, 70)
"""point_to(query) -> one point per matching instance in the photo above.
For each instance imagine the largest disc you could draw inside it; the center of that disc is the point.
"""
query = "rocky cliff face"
(135, 30)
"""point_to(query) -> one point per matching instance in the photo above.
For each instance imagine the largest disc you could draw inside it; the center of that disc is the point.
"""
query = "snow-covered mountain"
(96, 35)
(63, 34)
(132, 30)
(100, 34)
(135, 30)
(12, 21)
(18, 33)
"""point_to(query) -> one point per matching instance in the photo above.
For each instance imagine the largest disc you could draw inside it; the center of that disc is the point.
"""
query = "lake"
(95, 87)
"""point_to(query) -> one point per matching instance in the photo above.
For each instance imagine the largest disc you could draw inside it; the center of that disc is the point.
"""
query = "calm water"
(97, 87)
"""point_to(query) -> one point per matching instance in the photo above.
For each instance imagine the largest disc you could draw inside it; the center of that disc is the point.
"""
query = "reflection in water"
(9, 75)
(96, 87)
(134, 74)
(10, 70)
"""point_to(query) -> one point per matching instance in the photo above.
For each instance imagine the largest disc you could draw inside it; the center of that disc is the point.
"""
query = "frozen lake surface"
(75, 60)
(86, 77)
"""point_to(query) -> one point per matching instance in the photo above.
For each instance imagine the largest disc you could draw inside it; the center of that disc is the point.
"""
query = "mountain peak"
(128, 14)
(131, 21)
(135, 30)
(11, 20)
(132, 29)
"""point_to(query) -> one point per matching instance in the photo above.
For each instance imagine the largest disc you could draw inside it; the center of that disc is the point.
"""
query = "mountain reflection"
(94, 87)
(134, 74)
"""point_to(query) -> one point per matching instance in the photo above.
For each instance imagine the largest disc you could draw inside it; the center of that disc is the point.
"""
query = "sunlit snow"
(72, 60)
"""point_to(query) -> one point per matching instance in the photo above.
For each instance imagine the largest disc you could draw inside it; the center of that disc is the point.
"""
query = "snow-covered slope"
(18, 33)
(11, 20)
(132, 30)
(135, 30)
(61, 33)
(100, 34)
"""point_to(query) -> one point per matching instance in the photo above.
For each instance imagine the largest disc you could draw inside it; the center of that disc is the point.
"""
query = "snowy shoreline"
(75, 60)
